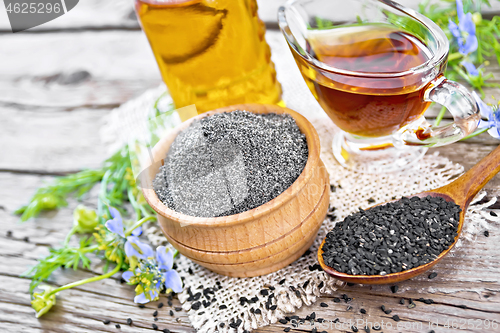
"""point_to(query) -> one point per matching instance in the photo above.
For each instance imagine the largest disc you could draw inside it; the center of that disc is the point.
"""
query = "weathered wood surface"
(55, 89)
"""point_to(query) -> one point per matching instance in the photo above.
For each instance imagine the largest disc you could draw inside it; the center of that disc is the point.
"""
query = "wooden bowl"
(258, 241)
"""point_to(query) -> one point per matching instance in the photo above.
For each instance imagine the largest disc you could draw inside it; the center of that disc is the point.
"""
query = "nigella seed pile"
(393, 237)
(228, 163)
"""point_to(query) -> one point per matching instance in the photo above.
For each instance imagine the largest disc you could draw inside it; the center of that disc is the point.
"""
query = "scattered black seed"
(432, 331)
(324, 332)
(195, 306)
(297, 293)
(222, 325)
(349, 308)
(106, 321)
(387, 311)
(392, 238)
(129, 321)
(304, 286)
(166, 330)
(287, 329)
(222, 307)
(26, 239)
(492, 213)
(382, 307)
(273, 140)
(411, 305)
(394, 289)
(371, 200)
(433, 275)
(323, 305)
(142, 306)
(117, 326)
(314, 330)
(264, 292)
(395, 318)
(273, 307)
(363, 311)
(272, 288)
(190, 271)
(171, 313)
(320, 320)
(282, 281)
(160, 305)
(354, 329)
(336, 300)
(336, 320)
(155, 327)
(402, 301)
(377, 328)
(429, 301)
(258, 311)
(321, 284)
(9, 233)
(312, 315)
(178, 308)
(200, 313)
(486, 233)
(283, 321)
(463, 306)
(350, 284)
(156, 319)
(367, 329)
(155, 313)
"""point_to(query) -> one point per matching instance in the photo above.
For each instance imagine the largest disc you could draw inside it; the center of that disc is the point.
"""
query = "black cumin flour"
(229, 163)
(392, 238)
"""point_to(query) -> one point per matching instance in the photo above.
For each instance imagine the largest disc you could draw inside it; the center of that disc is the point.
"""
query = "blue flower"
(465, 31)
(471, 69)
(133, 246)
(154, 275)
(492, 116)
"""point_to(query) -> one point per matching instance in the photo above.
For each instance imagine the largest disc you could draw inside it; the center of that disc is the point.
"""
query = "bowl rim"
(313, 145)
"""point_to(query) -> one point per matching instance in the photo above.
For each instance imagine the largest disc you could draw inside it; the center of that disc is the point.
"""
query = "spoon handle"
(466, 187)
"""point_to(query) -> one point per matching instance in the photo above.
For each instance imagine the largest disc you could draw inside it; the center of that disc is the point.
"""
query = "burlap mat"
(301, 282)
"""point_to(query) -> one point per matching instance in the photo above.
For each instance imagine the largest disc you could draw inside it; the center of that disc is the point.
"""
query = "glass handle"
(457, 99)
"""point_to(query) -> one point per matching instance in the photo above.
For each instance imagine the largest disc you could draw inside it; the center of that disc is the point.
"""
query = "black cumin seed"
(463, 306)
(387, 311)
(336, 320)
(106, 321)
(155, 313)
(166, 330)
(321, 284)
(297, 293)
(354, 329)
(171, 313)
(492, 213)
(273, 307)
(367, 329)
(433, 275)
(155, 327)
(283, 321)
(363, 311)
(323, 305)
(129, 321)
(287, 329)
(395, 318)
(160, 305)
(142, 306)
(264, 292)
(190, 271)
(271, 288)
(282, 281)
(304, 286)
(382, 308)
(9, 233)
(377, 328)
(178, 309)
(258, 311)
(169, 302)
(336, 300)
(429, 301)
(222, 325)
(402, 301)
(195, 306)
(394, 289)
(371, 200)
(348, 308)
(117, 326)
(486, 233)
(314, 330)
(222, 307)
(313, 315)
(26, 239)
(156, 319)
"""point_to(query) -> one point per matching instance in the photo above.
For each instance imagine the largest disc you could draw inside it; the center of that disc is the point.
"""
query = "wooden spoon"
(461, 192)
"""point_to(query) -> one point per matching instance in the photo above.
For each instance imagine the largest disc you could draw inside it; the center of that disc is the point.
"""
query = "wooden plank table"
(56, 85)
